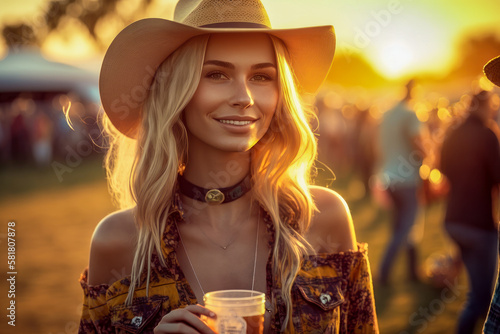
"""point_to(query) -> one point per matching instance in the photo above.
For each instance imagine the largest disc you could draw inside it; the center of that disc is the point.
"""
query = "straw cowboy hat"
(492, 70)
(138, 50)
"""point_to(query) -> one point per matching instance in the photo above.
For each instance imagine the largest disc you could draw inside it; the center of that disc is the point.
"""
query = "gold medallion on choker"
(214, 197)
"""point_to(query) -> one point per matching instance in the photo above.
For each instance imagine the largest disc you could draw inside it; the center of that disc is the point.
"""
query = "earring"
(182, 168)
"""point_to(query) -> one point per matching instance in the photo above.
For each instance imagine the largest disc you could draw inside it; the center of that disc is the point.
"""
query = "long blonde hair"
(280, 166)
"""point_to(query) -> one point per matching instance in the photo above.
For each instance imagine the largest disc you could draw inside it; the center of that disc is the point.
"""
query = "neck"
(219, 217)
(210, 168)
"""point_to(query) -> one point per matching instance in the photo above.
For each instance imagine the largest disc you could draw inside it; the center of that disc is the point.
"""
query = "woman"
(220, 195)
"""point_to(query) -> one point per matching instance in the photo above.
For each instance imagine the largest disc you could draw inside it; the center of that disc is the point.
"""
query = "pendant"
(214, 197)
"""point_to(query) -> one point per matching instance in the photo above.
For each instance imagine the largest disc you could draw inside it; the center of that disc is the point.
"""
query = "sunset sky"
(398, 37)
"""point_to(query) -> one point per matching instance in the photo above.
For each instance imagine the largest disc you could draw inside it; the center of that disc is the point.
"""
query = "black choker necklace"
(214, 196)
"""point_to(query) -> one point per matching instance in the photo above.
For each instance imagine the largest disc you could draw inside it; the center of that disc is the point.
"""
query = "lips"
(233, 122)
(236, 120)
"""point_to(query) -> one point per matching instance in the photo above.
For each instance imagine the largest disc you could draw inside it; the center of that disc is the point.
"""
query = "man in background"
(401, 157)
(470, 159)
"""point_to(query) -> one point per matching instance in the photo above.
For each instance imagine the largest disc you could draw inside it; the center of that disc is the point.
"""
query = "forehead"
(253, 47)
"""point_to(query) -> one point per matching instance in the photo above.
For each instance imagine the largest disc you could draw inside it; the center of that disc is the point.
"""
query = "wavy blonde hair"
(143, 172)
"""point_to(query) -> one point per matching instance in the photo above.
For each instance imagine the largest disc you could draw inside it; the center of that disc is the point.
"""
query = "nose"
(242, 96)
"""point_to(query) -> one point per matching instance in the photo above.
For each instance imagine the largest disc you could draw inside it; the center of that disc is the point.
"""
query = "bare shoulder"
(112, 248)
(331, 228)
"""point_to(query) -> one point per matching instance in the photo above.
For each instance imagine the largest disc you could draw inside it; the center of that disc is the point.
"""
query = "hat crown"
(200, 13)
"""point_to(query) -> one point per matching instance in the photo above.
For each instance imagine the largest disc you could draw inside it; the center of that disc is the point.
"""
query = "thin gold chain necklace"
(233, 238)
(192, 267)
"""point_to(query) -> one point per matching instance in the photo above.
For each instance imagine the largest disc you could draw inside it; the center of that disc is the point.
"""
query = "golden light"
(411, 42)
(356, 190)
(375, 112)
(435, 176)
(79, 47)
(333, 100)
(443, 102)
(485, 84)
(495, 102)
(443, 114)
(422, 112)
(61, 101)
(396, 58)
(424, 172)
(348, 111)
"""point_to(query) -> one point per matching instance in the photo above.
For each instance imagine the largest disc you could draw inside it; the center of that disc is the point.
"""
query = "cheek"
(269, 103)
(204, 97)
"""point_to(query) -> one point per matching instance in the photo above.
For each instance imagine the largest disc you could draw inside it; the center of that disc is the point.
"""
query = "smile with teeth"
(232, 122)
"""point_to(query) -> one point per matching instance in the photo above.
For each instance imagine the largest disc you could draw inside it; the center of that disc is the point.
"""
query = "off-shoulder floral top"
(332, 293)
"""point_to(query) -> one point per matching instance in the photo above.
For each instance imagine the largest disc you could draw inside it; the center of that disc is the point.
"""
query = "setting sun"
(412, 42)
(395, 58)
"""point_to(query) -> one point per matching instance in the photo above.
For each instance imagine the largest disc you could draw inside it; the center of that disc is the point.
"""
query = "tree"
(86, 12)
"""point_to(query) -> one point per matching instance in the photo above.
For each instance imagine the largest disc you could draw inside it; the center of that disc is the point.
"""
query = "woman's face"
(237, 95)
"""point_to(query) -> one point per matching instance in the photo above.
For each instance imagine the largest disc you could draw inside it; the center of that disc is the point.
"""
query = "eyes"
(221, 76)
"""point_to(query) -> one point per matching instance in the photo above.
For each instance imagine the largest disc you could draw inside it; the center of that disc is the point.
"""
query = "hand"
(186, 321)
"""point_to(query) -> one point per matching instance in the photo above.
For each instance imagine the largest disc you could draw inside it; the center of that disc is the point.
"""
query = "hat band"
(235, 25)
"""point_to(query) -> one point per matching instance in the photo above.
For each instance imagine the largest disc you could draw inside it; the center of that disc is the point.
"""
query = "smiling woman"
(235, 100)
(211, 142)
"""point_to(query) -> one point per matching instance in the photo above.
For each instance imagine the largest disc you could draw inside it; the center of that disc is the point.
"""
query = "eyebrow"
(232, 67)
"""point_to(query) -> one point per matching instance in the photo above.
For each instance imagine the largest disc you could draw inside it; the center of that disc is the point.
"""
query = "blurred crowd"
(349, 122)
(34, 129)
(411, 150)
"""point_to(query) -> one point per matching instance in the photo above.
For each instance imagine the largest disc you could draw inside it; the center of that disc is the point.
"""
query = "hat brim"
(492, 70)
(138, 50)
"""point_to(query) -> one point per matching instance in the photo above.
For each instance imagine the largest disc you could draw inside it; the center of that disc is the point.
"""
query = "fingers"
(199, 310)
(186, 321)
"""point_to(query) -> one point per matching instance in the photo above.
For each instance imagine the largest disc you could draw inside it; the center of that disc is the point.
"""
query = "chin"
(242, 146)
(237, 148)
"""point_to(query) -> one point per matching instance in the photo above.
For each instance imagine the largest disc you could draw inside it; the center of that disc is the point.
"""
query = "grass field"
(55, 220)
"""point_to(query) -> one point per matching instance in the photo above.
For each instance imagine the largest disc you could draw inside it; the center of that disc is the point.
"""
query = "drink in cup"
(238, 311)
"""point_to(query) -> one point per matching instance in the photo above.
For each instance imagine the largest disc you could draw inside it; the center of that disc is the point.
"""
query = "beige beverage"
(238, 311)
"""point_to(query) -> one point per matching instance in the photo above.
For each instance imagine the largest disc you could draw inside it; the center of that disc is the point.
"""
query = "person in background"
(42, 139)
(492, 323)
(401, 157)
(470, 160)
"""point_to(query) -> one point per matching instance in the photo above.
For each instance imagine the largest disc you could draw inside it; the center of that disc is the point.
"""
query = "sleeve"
(362, 317)
(95, 313)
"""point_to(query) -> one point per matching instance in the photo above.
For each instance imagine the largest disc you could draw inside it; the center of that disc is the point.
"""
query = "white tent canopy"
(26, 70)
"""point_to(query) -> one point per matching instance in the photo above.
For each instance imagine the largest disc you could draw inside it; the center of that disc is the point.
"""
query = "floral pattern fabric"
(332, 293)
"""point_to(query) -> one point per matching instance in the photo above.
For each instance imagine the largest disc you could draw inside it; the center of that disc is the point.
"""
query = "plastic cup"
(238, 311)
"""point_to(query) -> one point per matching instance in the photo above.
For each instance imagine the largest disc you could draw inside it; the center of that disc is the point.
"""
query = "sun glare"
(409, 43)
(396, 57)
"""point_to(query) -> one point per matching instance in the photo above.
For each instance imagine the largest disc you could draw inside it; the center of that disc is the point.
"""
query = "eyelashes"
(216, 75)
(262, 77)
(219, 76)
